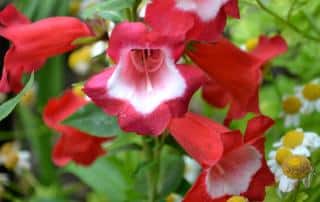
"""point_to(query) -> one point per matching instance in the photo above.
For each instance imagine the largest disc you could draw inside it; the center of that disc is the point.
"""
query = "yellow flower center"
(10, 155)
(291, 105)
(29, 97)
(311, 91)
(293, 138)
(282, 154)
(251, 44)
(172, 198)
(237, 199)
(296, 167)
(74, 7)
(79, 56)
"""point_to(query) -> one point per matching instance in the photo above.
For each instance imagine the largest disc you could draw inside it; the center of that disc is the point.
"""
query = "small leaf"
(7, 107)
(93, 120)
(110, 10)
(106, 176)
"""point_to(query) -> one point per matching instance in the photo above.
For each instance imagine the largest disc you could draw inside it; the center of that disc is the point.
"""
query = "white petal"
(233, 174)
(301, 150)
(205, 9)
(169, 84)
(286, 184)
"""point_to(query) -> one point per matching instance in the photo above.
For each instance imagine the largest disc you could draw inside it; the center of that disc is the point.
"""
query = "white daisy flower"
(310, 95)
(14, 159)
(291, 106)
(192, 169)
(300, 142)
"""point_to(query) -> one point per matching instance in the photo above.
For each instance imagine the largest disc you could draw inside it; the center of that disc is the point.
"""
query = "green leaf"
(7, 107)
(106, 176)
(110, 10)
(171, 172)
(93, 120)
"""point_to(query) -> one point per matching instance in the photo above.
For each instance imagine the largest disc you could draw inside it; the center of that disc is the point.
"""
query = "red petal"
(199, 136)
(208, 31)
(235, 70)
(34, 43)
(58, 109)
(198, 191)
(214, 94)
(232, 8)
(128, 35)
(80, 147)
(10, 16)
(257, 127)
(260, 181)
(174, 22)
(268, 48)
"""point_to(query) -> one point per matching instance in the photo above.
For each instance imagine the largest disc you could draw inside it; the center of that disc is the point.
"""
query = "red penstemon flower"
(33, 43)
(145, 88)
(73, 145)
(241, 170)
(198, 19)
(235, 75)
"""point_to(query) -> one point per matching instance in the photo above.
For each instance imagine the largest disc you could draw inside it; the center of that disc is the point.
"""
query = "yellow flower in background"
(251, 44)
(30, 97)
(14, 159)
(3, 97)
(173, 198)
(79, 60)
(237, 199)
(74, 7)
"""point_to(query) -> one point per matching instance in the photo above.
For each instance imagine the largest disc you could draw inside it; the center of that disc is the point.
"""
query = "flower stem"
(291, 26)
(153, 155)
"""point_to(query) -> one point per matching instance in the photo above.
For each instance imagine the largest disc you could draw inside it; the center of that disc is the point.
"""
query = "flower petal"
(269, 48)
(234, 172)
(10, 16)
(58, 109)
(235, 70)
(199, 136)
(33, 43)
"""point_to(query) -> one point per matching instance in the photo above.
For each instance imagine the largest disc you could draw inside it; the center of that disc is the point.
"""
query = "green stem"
(292, 7)
(153, 155)
(291, 26)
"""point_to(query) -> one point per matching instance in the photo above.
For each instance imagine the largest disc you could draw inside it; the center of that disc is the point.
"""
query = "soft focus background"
(119, 176)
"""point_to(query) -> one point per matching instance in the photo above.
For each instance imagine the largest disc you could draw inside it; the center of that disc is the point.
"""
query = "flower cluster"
(289, 159)
(150, 85)
(305, 101)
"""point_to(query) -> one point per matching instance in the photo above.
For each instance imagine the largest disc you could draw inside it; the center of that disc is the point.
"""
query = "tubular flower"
(241, 171)
(145, 88)
(33, 43)
(194, 19)
(235, 81)
(73, 144)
